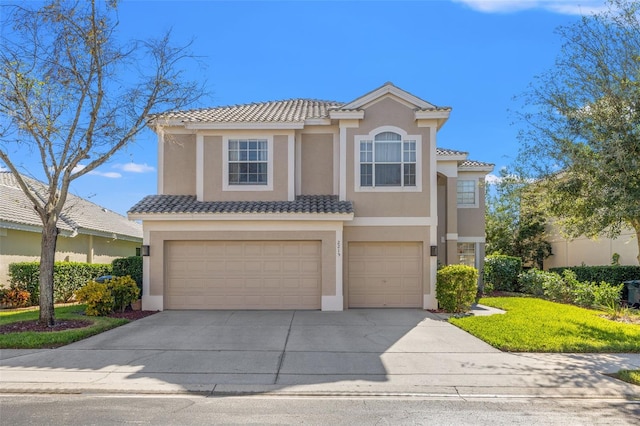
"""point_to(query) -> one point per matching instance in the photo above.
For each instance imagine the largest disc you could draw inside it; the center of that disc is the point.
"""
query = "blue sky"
(472, 55)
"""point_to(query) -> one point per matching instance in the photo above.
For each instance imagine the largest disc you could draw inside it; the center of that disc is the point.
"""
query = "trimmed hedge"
(131, 266)
(456, 287)
(67, 278)
(613, 274)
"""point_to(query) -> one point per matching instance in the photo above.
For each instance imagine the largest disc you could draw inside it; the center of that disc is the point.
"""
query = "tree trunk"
(47, 258)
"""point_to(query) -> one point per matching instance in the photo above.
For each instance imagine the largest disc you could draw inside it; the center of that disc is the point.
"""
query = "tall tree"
(515, 222)
(582, 125)
(72, 95)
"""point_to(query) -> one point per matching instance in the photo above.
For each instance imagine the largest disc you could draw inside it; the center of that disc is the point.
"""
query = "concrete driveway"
(356, 351)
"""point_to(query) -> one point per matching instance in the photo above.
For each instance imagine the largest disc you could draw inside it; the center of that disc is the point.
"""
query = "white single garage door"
(243, 275)
(385, 274)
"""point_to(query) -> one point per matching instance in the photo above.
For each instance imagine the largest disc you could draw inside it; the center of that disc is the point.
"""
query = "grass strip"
(536, 325)
(53, 339)
(629, 376)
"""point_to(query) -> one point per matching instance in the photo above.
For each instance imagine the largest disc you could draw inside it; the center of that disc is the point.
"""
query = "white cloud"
(566, 7)
(135, 168)
(110, 175)
(492, 179)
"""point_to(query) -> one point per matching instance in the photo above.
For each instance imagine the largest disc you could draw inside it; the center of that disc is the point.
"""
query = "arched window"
(387, 160)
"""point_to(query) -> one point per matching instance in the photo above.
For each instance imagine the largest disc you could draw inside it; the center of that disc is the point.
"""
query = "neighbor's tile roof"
(287, 111)
(159, 204)
(449, 152)
(474, 164)
(79, 214)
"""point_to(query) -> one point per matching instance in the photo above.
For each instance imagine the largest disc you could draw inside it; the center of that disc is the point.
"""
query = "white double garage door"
(287, 274)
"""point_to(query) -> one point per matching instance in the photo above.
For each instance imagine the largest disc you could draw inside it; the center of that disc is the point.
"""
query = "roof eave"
(243, 216)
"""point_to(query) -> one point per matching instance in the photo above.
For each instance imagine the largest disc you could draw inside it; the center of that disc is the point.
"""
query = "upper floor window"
(248, 162)
(467, 193)
(388, 160)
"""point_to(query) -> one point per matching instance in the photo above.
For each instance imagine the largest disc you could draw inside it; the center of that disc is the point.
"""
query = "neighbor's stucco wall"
(592, 252)
(24, 246)
(471, 221)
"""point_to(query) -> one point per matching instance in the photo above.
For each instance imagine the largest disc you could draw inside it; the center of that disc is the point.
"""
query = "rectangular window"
(387, 161)
(248, 161)
(466, 192)
(467, 254)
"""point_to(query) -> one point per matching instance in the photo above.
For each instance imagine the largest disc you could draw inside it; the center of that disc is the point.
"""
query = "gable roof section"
(79, 215)
(291, 111)
(160, 205)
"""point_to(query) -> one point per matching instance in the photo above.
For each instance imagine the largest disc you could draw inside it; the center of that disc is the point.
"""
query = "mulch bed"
(61, 325)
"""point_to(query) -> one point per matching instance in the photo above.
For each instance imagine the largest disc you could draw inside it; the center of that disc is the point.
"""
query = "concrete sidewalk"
(355, 352)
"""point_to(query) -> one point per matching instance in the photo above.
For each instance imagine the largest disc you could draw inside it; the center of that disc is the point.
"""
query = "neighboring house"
(308, 204)
(88, 232)
(592, 252)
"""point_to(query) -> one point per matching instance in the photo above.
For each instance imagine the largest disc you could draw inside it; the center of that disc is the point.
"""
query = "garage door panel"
(243, 275)
(385, 274)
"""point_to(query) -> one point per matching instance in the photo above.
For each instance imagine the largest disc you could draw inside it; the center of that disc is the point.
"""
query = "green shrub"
(456, 287)
(613, 274)
(25, 276)
(131, 266)
(556, 288)
(606, 295)
(98, 298)
(15, 297)
(67, 278)
(124, 291)
(532, 281)
(502, 271)
(583, 294)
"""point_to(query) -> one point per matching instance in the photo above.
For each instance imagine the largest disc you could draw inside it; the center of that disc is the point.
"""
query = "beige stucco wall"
(389, 112)
(179, 165)
(592, 252)
(316, 164)
(391, 234)
(213, 170)
(159, 232)
(23, 246)
(471, 221)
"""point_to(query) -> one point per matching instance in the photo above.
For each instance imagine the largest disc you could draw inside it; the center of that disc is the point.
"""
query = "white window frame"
(476, 191)
(225, 164)
(475, 253)
(405, 138)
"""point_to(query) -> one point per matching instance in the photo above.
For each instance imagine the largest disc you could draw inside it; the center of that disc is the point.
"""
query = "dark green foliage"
(502, 271)
(456, 287)
(67, 278)
(613, 274)
(131, 266)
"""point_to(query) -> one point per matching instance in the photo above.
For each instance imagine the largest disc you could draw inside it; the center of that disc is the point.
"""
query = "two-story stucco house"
(308, 204)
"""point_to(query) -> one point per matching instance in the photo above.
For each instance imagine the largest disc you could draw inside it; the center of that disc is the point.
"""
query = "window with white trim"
(248, 161)
(387, 160)
(467, 254)
(467, 193)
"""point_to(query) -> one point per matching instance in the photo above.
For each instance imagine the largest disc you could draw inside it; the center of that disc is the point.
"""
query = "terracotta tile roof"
(79, 215)
(287, 111)
(160, 204)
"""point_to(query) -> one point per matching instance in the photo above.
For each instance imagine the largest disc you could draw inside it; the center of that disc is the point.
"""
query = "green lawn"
(52, 339)
(536, 325)
(630, 376)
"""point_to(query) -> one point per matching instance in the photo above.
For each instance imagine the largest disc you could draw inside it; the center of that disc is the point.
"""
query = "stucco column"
(452, 220)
